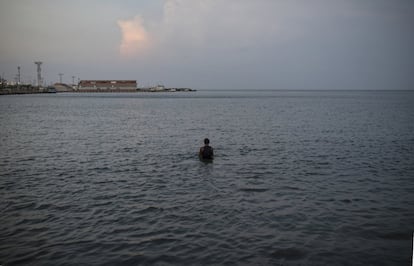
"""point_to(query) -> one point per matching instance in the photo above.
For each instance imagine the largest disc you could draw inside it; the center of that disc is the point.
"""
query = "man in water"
(206, 152)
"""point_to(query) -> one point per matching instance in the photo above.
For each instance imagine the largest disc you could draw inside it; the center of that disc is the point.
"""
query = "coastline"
(28, 89)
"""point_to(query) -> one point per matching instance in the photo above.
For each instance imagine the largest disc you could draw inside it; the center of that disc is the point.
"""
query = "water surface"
(299, 178)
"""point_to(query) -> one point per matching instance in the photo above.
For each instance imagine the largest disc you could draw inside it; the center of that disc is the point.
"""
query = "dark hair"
(206, 141)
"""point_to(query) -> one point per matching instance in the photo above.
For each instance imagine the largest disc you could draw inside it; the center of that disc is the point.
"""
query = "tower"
(60, 77)
(39, 73)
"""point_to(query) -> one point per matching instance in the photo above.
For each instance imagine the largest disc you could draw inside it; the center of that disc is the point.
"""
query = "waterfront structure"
(107, 85)
(158, 88)
(62, 87)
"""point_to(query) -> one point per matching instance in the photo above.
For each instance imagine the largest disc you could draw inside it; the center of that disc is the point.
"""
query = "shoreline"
(48, 90)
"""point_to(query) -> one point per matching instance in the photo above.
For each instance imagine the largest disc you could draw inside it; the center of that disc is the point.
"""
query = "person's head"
(206, 141)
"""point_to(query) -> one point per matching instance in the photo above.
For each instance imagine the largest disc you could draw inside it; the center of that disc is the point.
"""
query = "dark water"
(299, 178)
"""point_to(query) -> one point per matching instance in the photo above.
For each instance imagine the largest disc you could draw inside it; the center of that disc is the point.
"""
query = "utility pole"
(39, 73)
(18, 75)
(60, 77)
(1, 80)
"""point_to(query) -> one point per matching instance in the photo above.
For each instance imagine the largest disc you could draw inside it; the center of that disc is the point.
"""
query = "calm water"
(299, 178)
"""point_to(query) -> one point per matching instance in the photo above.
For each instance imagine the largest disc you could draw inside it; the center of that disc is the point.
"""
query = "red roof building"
(107, 85)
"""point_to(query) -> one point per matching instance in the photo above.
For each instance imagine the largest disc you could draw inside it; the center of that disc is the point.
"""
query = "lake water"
(299, 178)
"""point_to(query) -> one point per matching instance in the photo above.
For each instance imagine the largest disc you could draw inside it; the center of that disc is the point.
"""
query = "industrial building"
(107, 86)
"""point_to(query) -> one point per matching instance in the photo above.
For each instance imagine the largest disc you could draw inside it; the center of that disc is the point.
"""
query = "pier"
(24, 89)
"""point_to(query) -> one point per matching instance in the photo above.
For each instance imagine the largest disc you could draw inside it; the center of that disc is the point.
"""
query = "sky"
(213, 44)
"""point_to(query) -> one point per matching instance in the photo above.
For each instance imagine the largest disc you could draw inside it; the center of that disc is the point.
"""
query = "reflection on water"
(308, 178)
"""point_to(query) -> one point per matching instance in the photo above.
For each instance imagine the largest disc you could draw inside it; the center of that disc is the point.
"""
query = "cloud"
(135, 38)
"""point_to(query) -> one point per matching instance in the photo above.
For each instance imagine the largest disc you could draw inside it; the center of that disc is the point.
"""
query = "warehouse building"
(107, 85)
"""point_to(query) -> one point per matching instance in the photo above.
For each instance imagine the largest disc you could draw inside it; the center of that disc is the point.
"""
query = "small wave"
(43, 206)
(150, 209)
(289, 188)
(253, 189)
(289, 254)
(396, 236)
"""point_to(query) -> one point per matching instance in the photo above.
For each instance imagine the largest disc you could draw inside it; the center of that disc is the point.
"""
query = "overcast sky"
(213, 44)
